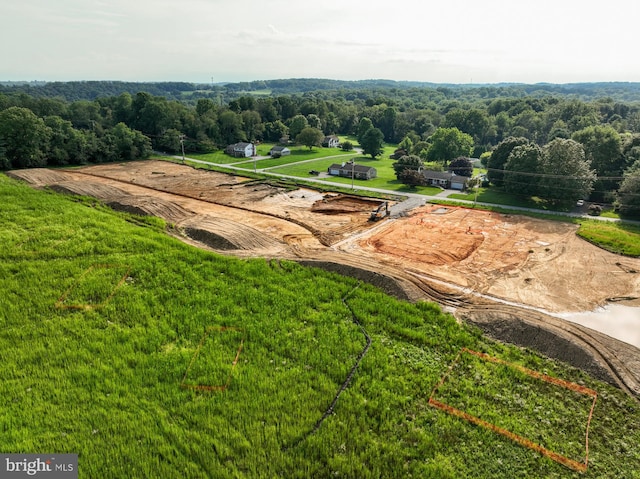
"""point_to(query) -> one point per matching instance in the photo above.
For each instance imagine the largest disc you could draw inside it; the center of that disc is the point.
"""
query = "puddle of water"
(615, 320)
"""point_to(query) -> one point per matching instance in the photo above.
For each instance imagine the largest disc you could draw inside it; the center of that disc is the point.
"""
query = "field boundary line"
(86, 307)
(559, 458)
(206, 387)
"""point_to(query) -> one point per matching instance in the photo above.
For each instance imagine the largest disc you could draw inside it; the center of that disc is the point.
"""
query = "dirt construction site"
(508, 274)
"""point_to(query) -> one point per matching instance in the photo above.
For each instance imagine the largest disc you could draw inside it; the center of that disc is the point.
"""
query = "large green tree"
(364, 125)
(66, 144)
(129, 144)
(603, 149)
(275, 130)
(252, 125)
(407, 162)
(310, 137)
(297, 124)
(461, 166)
(628, 195)
(372, 142)
(521, 172)
(499, 157)
(231, 127)
(24, 138)
(412, 178)
(449, 143)
(566, 173)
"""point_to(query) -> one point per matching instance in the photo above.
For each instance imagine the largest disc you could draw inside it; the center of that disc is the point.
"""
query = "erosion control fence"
(575, 465)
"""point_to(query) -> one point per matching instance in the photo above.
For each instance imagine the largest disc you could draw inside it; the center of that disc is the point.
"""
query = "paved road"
(413, 199)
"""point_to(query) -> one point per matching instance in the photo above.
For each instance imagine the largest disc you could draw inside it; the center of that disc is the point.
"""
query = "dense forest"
(589, 133)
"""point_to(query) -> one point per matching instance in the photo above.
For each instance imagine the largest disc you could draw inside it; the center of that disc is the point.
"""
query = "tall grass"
(105, 381)
(622, 238)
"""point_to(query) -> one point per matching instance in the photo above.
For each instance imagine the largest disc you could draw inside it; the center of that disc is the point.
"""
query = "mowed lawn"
(151, 358)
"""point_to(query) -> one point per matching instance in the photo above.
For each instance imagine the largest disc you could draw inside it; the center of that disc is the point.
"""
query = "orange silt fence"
(559, 458)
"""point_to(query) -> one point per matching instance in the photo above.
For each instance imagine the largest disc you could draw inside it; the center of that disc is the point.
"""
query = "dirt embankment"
(439, 253)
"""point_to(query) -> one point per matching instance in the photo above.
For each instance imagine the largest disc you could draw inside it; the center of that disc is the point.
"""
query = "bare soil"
(448, 254)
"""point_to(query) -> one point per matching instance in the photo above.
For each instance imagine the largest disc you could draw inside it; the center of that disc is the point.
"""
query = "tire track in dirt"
(589, 350)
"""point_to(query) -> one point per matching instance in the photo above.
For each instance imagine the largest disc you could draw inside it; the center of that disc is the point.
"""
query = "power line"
(547, 175)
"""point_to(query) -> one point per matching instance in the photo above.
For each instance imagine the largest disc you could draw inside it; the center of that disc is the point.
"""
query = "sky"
(205, 41)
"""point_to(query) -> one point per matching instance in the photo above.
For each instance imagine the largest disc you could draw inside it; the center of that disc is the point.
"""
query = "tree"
(372, 142)
(522, 169)
(407, 162)
(364, 126)
(310, 137)
(628, 195)
(475, 122)
(169, 141)
(314, 121)
(449, 143)
(603, 149)
(461, 166)
(499, 158)
(567, 176)
(388, 122)
(346, 145)
(275, 130)
(85, 114)
(252, 124)
(406, 144)
(24, 137)
(297, 124)
(412, 178)
(205, 107)
(129, 144)
(231, 127)
(66, 144)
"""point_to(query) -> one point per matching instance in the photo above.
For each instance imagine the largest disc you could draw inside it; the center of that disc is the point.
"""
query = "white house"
(241, 150)
(278, 151)
(331, 141)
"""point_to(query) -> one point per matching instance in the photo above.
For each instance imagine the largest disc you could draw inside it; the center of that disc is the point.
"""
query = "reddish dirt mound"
(426, 242)
(343, 204)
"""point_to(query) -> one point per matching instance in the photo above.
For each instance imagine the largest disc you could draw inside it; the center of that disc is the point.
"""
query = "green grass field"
(107, 322)
(622, 238)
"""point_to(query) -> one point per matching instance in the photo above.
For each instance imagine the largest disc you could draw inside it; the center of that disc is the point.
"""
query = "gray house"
(241, 150)
(359, 172)
(278, 151)
(445, 179)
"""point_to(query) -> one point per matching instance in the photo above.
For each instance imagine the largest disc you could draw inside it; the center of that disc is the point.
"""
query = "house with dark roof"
(445, 179)
(349, 170)
(241, 150)
(331, 141)
(278, 151)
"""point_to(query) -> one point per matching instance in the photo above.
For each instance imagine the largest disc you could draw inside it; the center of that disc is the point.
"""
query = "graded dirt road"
(448, 254)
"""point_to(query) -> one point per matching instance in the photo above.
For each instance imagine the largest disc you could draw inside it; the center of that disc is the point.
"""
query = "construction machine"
(380, 212)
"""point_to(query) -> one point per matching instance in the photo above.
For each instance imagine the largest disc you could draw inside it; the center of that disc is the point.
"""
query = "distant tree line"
(433, 123)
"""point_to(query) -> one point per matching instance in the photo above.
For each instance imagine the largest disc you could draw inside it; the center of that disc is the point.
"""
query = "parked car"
(580, 203)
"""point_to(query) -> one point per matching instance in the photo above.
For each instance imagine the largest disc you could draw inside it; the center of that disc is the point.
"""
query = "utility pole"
(476, 186)
(353, 168)
(182, 145)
